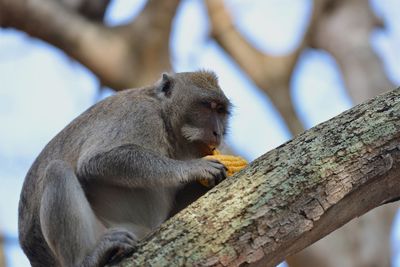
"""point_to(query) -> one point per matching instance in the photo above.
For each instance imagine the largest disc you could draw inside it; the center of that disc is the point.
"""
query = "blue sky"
(41, 90)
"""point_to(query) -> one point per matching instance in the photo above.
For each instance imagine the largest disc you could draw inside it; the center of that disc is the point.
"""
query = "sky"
(41, 90)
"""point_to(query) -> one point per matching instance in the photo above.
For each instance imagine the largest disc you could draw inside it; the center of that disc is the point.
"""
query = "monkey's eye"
(221, 110)
(212, 105)
(206, 104)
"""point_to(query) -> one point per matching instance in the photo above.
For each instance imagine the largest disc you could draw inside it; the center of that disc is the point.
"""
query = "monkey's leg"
(69, 225)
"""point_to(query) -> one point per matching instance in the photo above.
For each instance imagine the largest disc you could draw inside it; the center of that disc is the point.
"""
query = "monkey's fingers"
(233, 164)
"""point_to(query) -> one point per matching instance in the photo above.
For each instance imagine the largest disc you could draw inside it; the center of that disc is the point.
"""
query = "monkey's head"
(197, 108)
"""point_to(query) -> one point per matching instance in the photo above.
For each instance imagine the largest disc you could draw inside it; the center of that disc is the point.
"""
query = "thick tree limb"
(121, 57)
(291, 196)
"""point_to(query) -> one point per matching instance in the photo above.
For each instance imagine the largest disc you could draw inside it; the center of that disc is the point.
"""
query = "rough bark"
(127, 56)
(291, 196)
(343, 29)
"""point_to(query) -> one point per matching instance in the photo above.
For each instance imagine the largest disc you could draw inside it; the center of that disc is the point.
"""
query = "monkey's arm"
(133, 166)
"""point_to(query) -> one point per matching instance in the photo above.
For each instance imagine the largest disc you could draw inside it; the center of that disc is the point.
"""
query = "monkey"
(120, 169)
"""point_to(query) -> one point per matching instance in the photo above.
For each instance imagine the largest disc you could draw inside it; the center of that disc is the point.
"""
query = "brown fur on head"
(203, 79)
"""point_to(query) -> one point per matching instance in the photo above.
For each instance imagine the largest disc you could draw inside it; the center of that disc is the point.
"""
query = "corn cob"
(232, 163)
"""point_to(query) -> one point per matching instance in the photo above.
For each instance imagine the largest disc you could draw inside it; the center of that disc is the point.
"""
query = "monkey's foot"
(118, 244)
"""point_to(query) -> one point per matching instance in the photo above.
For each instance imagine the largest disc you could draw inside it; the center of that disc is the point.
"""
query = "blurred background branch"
(122, 57)
(272, 74)
(2, 257)
(343, 29)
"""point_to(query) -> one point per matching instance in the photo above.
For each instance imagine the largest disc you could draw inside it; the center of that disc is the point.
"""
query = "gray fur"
(120, 169)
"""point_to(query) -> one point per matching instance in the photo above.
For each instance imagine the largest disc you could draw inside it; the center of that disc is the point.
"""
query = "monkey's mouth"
(205, 149)
(213, 144)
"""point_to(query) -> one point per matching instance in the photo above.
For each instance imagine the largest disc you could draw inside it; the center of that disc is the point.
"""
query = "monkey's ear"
(165, 85)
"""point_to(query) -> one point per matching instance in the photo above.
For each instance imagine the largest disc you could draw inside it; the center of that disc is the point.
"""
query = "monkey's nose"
(217, 138)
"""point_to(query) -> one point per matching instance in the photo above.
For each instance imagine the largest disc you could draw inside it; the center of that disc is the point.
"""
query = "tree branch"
(148, 36)
(290, 197)
(91, 9)
(272, 74)
(343, 29)
(122, 57)
(80, 38)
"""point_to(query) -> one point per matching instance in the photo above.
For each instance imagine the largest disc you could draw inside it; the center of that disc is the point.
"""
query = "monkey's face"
(197, 108)
(206, 121)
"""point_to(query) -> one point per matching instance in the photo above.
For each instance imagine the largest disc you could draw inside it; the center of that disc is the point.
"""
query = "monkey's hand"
(210, 170)
(233, 164)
